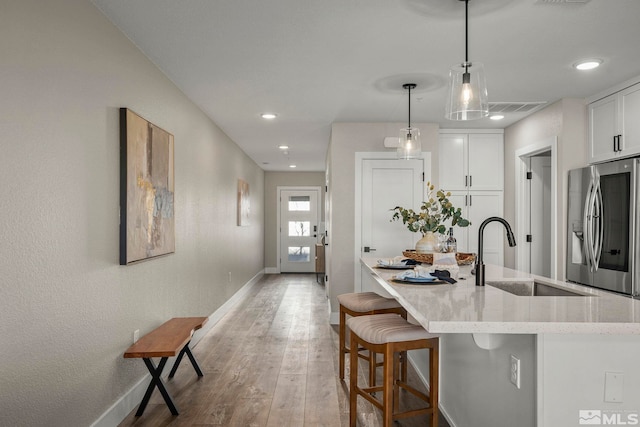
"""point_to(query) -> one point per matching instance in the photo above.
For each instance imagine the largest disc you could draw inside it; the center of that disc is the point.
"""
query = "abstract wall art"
(243, 203)
(147, 225)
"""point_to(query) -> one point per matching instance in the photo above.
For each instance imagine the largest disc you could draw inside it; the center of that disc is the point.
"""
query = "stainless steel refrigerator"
(602, 238)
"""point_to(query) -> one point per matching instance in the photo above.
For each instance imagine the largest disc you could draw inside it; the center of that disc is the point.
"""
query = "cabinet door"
(483, 205)
(460, 200)
(603, 126)
(452, 161)
(630, 116)
(486, 162)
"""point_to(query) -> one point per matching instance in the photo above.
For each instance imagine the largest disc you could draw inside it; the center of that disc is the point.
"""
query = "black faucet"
(479, 264)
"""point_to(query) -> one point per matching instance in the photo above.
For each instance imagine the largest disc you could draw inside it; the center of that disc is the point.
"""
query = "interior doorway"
(536, 223)
(383, 182)
(299, 214)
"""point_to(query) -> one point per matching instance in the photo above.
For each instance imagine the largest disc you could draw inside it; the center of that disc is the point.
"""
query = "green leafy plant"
(432, 215)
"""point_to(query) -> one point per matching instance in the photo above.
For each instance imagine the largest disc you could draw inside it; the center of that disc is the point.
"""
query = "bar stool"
(361, 304)
(390, 335)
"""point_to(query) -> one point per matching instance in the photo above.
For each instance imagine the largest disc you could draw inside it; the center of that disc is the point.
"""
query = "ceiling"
(319, 62)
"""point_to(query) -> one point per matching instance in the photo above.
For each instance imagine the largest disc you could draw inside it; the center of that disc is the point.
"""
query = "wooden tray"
(462, 258)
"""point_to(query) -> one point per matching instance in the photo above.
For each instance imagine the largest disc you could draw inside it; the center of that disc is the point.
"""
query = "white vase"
(427, 244)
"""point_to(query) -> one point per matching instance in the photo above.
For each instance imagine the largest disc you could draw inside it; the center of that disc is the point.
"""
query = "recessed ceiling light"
(283, 147)
(292, 166)
(497, 117)
(268, 116)
(587, 64)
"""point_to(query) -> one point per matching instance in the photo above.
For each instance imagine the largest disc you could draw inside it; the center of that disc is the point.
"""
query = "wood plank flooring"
(271, 361)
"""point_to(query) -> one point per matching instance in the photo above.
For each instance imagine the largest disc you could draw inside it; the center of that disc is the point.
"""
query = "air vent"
(514, 107)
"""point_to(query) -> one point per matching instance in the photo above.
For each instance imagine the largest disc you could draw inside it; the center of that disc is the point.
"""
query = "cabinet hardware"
(529, 238)
(470, 199)
(619, 138)
(466, 180)
(368, 249)
(470, 180)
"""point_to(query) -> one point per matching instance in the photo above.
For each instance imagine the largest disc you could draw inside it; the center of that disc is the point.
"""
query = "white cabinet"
(471, 167)
(476, 207)
(614, 128)
(471, 161)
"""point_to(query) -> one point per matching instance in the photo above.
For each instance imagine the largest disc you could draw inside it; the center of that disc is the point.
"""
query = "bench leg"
(156, 381)
(187, 351)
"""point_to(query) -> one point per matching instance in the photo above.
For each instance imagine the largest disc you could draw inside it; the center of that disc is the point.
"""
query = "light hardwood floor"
(271, 361)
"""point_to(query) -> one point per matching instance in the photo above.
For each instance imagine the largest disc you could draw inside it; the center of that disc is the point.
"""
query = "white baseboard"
(272, 270)
(131, 399)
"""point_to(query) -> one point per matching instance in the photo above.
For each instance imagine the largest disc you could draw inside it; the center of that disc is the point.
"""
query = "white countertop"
(466, 308)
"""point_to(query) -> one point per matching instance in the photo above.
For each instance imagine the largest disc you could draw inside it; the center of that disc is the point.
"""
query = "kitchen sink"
(536, 289)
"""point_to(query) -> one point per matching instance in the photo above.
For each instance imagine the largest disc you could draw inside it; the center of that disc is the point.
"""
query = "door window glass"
(300, 203)
(299, 254)
(299, 228)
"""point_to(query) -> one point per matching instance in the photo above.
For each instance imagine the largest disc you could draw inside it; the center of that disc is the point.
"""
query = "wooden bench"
(167, 340)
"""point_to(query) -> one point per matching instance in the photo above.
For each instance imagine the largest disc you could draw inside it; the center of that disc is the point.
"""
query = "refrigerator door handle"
(588, 226)
(597, 215)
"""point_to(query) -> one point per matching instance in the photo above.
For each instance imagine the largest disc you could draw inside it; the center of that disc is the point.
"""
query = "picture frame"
(244, 203)
(147, 219)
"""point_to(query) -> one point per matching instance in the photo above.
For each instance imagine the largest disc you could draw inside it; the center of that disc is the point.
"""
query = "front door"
(299, 221)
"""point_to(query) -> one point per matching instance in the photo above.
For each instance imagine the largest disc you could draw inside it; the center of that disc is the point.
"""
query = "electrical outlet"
(136, 335)
(514, 371)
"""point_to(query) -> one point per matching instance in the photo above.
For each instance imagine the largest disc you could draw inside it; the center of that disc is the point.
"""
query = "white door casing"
(540, 209)
(299, 214)
(523, 200)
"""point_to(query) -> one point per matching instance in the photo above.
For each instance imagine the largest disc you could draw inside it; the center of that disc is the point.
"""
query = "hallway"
(271, 361)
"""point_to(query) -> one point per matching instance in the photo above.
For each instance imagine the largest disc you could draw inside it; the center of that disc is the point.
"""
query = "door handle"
(368, 249)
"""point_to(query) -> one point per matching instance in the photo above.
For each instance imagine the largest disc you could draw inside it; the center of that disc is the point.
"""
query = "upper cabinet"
(614, 126)
(471, 161)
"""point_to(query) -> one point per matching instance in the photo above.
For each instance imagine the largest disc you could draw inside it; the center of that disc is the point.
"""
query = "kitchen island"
(573, 354)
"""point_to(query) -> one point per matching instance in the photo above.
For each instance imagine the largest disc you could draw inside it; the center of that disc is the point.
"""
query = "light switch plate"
(613, 382)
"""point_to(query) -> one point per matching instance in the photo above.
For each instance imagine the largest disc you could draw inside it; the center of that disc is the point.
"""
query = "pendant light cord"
(466, 31)
(409, 108)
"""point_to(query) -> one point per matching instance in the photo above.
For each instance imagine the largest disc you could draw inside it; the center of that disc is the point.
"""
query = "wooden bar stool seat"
(361, 304)
(390, 335)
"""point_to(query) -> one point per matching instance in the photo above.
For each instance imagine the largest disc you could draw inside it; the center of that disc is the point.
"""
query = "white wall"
(68, 310)
(346, 140)
(566, 119)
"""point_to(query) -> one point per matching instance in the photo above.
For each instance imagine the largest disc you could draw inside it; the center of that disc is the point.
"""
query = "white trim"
(131, 399)
(279, 190)
(522, 251)
(615, 89)
(357, 238)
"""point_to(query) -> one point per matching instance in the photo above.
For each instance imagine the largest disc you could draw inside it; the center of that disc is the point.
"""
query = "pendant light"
(409, 146)
(467, 96)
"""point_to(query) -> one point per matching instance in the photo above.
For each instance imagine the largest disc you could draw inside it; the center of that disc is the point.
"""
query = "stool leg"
(396, 388)
(433, 381)
(342, 341)
(353, 380)
(373, 360)
(387, 387)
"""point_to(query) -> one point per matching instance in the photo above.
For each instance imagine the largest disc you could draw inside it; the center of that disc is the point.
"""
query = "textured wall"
(346, 140)
(566, 119)
(67, 309)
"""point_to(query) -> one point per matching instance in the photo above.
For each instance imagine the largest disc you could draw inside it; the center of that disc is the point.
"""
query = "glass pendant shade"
(409, 146)
(467, 97)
